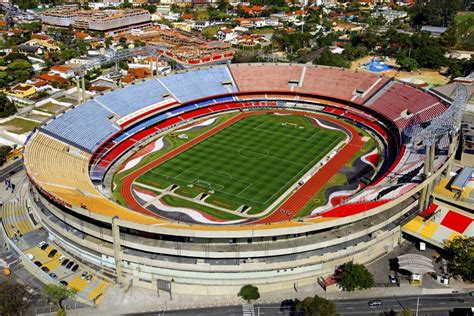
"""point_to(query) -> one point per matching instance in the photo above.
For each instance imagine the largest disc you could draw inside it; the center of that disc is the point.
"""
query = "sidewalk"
(138, 300)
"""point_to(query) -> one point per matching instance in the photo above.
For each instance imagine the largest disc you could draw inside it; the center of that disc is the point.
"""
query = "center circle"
(253, 153)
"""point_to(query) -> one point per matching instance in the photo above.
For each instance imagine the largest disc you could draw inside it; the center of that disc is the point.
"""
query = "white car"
(29, 256)
(60, 259)
(41, 244)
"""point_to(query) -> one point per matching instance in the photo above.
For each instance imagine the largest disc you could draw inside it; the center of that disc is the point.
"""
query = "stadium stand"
(62, 171)
(255, 77)
(405, 104)
(15, 219)
(134, 97)
(339, 83)
(86, 126)
(194, 85)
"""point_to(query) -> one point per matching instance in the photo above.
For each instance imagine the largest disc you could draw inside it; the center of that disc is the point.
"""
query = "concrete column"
(120, 83)
(83, 89)
(426, 171)
(151, 67)
(117, 250)
(156, 66)
(451, 151)
(78, 99)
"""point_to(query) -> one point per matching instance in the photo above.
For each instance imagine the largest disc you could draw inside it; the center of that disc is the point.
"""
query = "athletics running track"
(289, 208)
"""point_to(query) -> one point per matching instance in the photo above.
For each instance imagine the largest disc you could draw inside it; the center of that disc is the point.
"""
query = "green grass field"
(252, 162)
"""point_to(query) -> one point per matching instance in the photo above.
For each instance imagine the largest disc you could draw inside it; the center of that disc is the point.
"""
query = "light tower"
(447, 123)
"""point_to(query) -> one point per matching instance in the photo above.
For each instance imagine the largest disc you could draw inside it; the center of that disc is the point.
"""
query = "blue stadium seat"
(134, 97)
(85, 127)
(194, 85)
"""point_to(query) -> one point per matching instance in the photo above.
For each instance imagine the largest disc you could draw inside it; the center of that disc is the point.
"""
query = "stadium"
(202, 181)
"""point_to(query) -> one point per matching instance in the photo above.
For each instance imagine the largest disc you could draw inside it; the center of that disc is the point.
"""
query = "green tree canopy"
(249, 293)
(316, 306)
(406, 63)
(13, 298)
(20, 69)
(57, 293)
(355, 277)
(329, 59)
(460, 252)
(437, 12)
(7, 107)
(4, 151)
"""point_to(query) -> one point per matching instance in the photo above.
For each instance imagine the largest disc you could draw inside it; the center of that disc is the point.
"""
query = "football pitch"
(251, 162)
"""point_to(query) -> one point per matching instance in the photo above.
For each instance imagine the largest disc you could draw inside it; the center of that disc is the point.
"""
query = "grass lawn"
(19, 125)
(252, 162)
(176, 201)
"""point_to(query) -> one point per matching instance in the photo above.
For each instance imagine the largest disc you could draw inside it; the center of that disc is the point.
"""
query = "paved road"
(428, 305)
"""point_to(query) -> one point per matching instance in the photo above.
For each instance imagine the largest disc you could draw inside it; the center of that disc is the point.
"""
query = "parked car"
(374, 303)
(74, 269)
(53, 275)
(37, 263)
(393, 279)
(70, 264)
(84, 275)
(471, 293)
(60, 259)
(65, 262)
(45, 269)
(62, 282)
(30, 256)
(44, 246)
(41, 243)
(89, 278)
(52, 253)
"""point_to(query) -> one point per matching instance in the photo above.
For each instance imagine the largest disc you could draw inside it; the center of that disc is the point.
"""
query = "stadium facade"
(71, 161)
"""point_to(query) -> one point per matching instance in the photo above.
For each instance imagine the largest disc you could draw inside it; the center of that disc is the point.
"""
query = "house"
(40, 85)
(30, 50)
(53, 79)
(21, 90)
(226, 35)
(82, 35)
(62, 71)
(139, 73)
(200, 25)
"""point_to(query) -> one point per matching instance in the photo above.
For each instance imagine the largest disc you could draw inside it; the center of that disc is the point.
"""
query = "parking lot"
(67, 272)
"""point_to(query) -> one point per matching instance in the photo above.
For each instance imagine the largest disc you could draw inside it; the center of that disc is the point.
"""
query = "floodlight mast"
(112, 56)
(448, 123)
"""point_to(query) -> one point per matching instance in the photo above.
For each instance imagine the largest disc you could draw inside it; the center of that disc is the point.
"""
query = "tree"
(57, 293)
(355, 277)
(122, 40)
(20, 69)
(7, 107)
(13, 298)
(406, 63)
(4, 151)
(329, 59)
(249, 293)
(460, 255)
(316, 306)
(406, 312)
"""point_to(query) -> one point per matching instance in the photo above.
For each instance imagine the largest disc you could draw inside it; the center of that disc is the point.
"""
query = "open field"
(251, 162)
(19, 125)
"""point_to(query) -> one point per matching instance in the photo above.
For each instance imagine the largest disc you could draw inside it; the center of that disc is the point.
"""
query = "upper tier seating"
(266, 77)
(403, 104)
(193, 85)
(134, 97)
(86, 126)
(340, 83)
